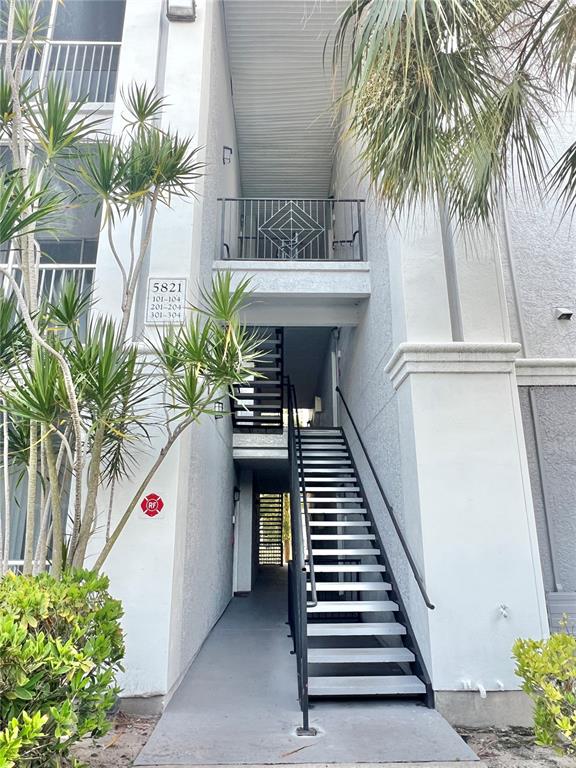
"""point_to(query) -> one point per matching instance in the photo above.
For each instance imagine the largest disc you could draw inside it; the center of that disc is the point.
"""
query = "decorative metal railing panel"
(89, 69)
(292, 229)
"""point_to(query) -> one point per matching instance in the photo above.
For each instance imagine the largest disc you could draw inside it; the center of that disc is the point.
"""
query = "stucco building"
(454, 355)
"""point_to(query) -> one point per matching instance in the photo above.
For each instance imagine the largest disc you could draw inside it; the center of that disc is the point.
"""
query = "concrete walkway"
(238, 704)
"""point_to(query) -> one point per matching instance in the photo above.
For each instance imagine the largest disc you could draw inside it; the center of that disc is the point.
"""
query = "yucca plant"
(133, 174)
(449, 98)
(195, 365)
(80, 397)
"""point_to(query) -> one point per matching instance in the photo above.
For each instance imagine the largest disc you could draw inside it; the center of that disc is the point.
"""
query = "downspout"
(531, 397)
(450, 269)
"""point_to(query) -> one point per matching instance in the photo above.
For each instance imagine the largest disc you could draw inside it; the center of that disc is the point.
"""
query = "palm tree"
(449, 98)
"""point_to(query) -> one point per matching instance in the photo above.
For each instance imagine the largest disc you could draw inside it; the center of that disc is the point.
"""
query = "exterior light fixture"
(563, 313)
(219, 409)
(226, 155)
(181, 10)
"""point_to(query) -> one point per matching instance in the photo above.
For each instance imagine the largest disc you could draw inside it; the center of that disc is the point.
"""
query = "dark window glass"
(41, 19)
(93, 20)
(68, 251)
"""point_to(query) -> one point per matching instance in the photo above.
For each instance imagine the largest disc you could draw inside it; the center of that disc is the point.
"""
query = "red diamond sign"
(152, 505)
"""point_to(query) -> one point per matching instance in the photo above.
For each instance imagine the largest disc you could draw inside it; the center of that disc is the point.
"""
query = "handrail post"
(222, 223)
(409, 557)
(298, 588)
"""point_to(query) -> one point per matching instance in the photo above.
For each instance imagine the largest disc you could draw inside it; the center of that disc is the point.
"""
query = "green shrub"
(60, 648)
(548, 669)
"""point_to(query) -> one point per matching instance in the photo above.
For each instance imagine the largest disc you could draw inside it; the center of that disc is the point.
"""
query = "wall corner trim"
(450, 357)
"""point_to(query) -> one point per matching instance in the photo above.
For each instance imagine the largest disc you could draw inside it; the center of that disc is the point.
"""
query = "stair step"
(242, 395)
(316, 444)
(366, 685)
(331, 489)
(312, 477)
(337, 511)
(340, 524)
(329, 454)
(332, 471)
(347, 568)
(356, 629)
(360, 656)
(246, 409)
(243, 417)
(334, 499)
(310, 431)
(312, 463)
(343, 537)
(354, 606)
(351, 586)
(258, 383)
(345, 552)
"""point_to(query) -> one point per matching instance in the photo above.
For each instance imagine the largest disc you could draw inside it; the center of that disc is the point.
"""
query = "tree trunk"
(31, 500)
(57, 536)
(91, 497)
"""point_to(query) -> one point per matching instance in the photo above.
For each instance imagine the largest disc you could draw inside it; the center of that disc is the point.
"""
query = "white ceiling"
(283, 92)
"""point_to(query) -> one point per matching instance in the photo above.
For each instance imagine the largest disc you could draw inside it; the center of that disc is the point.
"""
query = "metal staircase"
(351, 632)
(270, 515)
(257, 405)
(359, 640)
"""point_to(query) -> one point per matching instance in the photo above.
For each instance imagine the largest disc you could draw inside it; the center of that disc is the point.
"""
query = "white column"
(143, 565)
(244, 534)
(467, 499)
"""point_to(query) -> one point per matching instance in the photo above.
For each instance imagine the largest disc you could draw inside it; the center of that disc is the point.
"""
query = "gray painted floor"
(238, 704)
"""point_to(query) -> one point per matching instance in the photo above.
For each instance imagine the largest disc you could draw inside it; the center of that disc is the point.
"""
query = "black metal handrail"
(389, 507)
(309, 555)
(302, 558)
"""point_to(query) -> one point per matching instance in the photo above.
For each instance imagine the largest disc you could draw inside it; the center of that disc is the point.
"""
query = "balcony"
(291, 229)
(89, 69)
(306, 258)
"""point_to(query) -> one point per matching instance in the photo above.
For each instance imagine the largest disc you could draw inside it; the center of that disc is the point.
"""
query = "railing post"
(222, 223)
(297, 587)
(361, 229)
(305, 730)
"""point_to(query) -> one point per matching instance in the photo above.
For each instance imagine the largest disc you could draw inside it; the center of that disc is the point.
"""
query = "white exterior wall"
(442, 423)
(179, 578)
(539, 264)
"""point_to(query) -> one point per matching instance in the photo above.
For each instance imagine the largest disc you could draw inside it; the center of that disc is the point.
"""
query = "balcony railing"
(89, 69)
(292, 229)
(52, 276)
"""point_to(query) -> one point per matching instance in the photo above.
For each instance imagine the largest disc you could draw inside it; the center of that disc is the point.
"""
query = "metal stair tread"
(351, 586)
(343, 537)
(355, 629)
(339, 499)
(370, 685)
(347, 567)
(337, 511)
(340, 523)
(345, 552)
(398, 655)
(353, 606)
